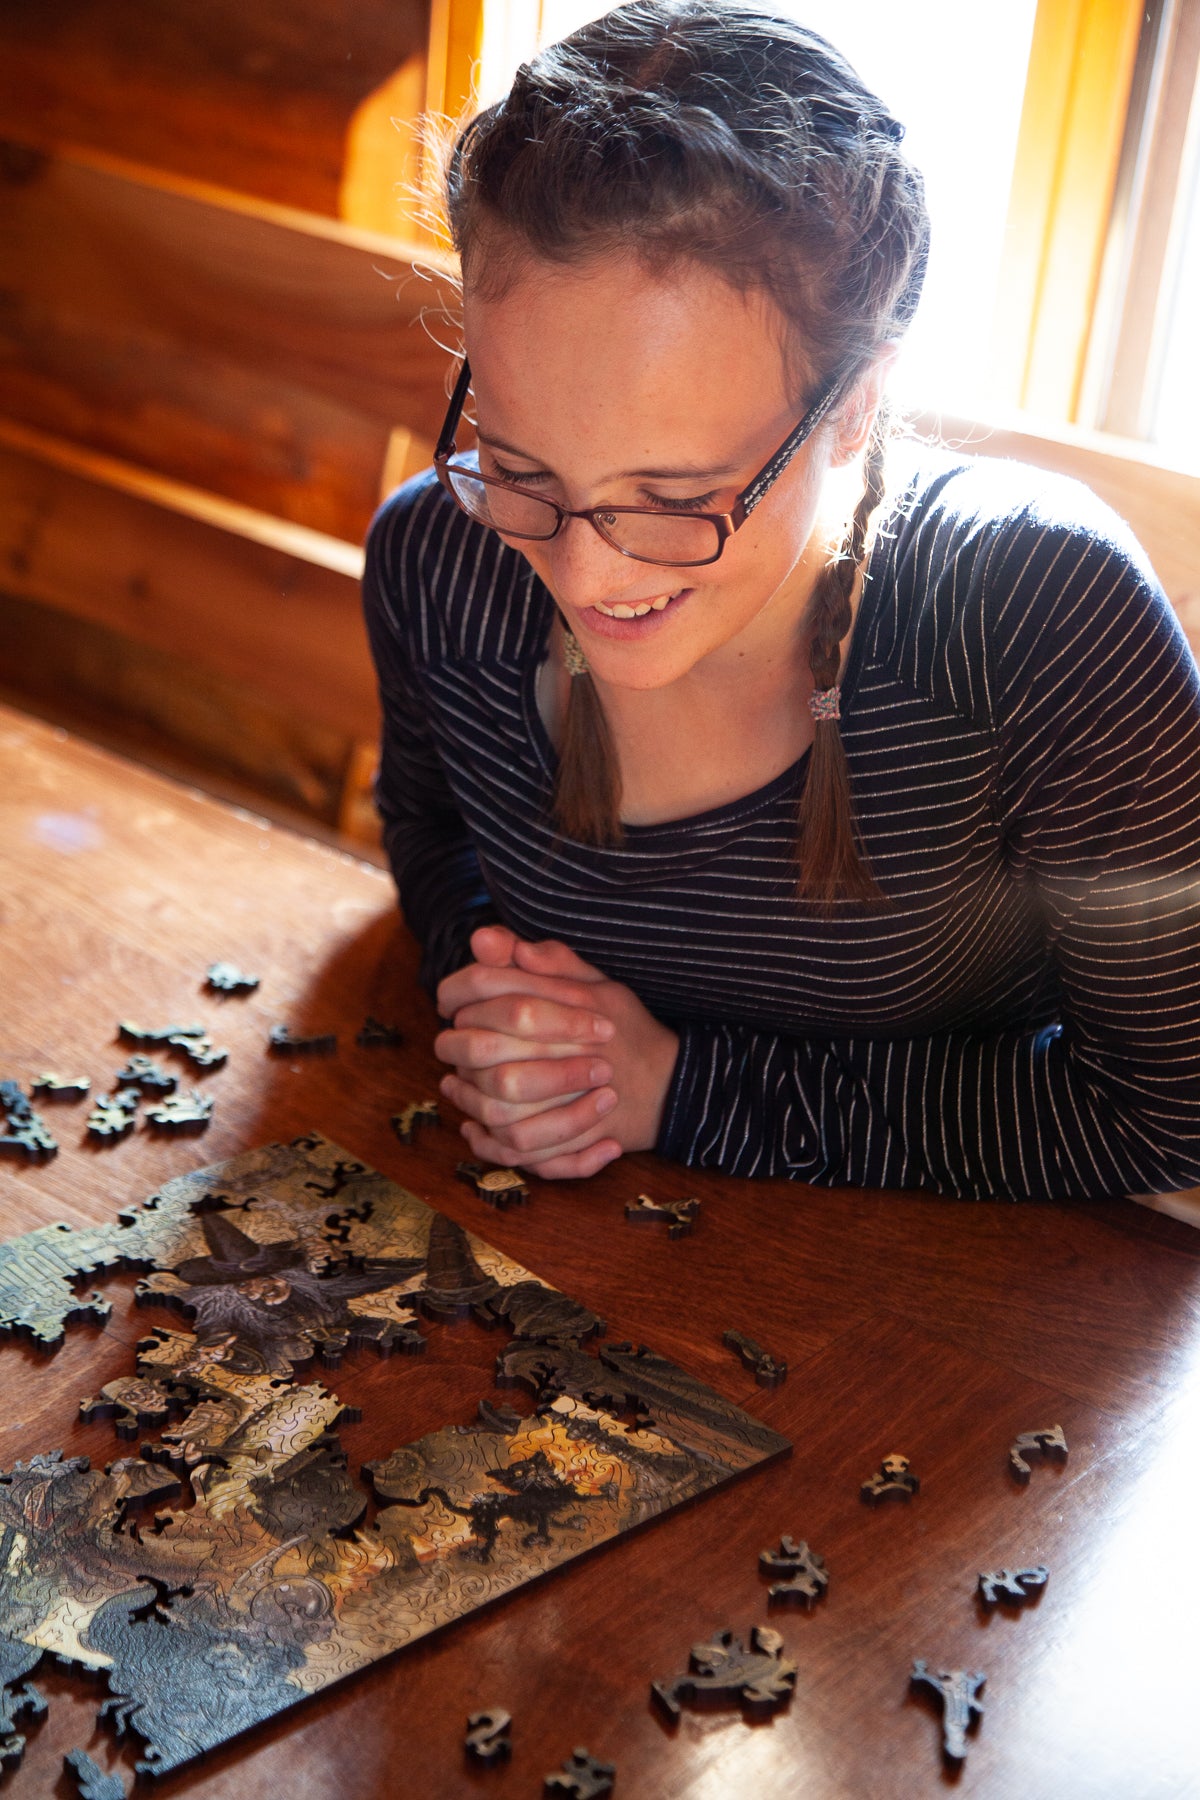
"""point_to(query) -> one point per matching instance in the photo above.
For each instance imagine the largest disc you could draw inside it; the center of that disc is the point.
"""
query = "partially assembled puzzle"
(262, 1584)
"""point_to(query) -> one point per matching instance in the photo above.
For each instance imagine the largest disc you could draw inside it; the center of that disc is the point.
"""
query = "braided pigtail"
(587, 788)
(832, 866)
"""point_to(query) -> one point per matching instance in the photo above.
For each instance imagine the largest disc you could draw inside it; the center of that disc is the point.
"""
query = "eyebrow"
(687, 473)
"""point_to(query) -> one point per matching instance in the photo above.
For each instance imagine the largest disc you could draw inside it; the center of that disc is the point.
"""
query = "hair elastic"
(825, 704)
(573, 656)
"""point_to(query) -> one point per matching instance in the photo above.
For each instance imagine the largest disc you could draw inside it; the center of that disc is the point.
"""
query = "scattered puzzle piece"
(28, 1137)
(113, 1114)
(961, 1710)
(13, 1101)
(17, 1702)
(227, 978)
(143, 1072)
(192, 1040)
(181, 1112)
(489, 1735)
(768, 1370)
(807, 1578)
(582, 1777)
(374, 1036)
(283, 1042)
(680, 1214)
(94, 1784)
(501, 1188)
(61, 1087)
(1048, 1443)
(894, 1478)
(405, 1123)
(1012, 1587)
(761, 1678)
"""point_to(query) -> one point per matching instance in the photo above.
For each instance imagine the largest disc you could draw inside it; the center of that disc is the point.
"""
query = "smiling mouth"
(640, 608)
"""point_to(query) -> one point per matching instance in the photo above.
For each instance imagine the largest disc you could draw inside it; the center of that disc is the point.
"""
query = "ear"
(853, 425)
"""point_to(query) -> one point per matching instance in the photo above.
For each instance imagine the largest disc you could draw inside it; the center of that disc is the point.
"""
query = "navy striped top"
(1021, 715)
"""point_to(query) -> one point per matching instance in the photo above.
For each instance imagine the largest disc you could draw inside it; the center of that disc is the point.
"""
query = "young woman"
(790, 802)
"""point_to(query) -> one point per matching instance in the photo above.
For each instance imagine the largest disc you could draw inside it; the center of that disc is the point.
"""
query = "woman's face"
(602, 384)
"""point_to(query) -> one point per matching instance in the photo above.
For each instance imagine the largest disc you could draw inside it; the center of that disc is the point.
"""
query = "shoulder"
(983, 561)
(445, 586)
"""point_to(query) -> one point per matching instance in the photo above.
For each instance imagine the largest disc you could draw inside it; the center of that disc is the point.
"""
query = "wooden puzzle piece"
(28, 1137)
(94, 1784)
(1012, 1587)
(227, 978)
(961, 1709)
(60, 1087)
(283, 1041)
(894, 1480)
(1048, 1443)
(14, 1102)
(768, 1370)
(113, 1114)
(19, 1699)
(681, 1215)
(192, 1040)
(806, 1576)
(761, 1678)
(143, 1072)
(181, 1112)
(375, 1036)
(489, 1735)
(405, 1123)
(582, 1777)
(500, 1188)
(132, 1402)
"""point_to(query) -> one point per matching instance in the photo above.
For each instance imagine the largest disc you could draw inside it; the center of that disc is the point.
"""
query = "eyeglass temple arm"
(445, 443)
(821, 407)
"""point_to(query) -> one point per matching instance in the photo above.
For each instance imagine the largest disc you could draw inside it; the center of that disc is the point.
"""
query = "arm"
(1097, 714)
(442, 892)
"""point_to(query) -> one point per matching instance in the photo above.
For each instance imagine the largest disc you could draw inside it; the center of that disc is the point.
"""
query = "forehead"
(610, 341)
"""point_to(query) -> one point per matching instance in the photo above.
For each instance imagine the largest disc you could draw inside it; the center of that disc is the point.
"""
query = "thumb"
(493, 945)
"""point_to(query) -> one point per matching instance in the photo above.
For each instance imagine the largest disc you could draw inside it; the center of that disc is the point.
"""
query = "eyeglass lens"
(650, 537)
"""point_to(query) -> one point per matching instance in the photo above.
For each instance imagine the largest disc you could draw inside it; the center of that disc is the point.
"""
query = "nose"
(584, 568)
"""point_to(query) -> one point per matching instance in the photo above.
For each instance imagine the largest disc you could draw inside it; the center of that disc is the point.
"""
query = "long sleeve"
(443, 895)
(1095, 718)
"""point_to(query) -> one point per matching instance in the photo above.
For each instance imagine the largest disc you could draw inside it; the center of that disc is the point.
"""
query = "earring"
(573, 656)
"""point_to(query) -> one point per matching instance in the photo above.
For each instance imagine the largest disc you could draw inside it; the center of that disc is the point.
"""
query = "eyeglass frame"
(726, 523)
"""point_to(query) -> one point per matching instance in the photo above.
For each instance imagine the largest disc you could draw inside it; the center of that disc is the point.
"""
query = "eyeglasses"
(647, 534)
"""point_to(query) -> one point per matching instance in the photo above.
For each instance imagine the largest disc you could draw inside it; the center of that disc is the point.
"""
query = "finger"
(567, 1160)
(476, 1049)
(526, 1016)
(492, 1112)
(550, 957)
(494, 944)
(528, 1082)
(477, 981)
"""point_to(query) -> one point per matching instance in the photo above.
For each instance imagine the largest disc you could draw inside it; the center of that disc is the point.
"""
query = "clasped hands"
(557, 1068)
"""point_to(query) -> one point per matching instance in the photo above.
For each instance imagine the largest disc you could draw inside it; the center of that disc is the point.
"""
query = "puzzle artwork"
(205, 1618)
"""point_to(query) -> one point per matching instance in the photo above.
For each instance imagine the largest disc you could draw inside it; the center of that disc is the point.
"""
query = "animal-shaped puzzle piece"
(94, 1784)
(181, 1112)
(192, 1040)
(1012, 1587)
(681, 1215)
(489, 1735)
(227, 978)
(30, 1138)
(283, 1041)
(761, 1678)
(768, 1370)
(143, 1072)
(895, 1478)
(501, 1188)
(961, 1709)
(405, 1123)
(375, 1036)
(17, 1702)
(807, 1578)
(14, 1102)
(582, 1777)
(60, 1087)
(113, 1114)
(131, 1401)
(1048, 1443)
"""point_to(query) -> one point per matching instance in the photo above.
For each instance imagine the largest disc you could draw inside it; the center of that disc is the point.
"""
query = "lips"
(630, 620)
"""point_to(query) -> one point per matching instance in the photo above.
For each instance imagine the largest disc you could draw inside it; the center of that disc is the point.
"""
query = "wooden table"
(913, 1325)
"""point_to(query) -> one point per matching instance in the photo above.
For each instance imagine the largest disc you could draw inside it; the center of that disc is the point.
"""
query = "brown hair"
(723, 134)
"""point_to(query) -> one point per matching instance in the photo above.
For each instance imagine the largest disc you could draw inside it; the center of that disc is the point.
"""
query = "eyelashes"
(655, 502)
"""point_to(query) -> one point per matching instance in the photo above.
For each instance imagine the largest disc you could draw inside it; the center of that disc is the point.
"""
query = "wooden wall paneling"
(257, 97)
(271, 607)
(243, 348)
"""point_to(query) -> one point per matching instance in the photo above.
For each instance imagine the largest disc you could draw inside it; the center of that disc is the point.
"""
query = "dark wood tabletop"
(913, 1326)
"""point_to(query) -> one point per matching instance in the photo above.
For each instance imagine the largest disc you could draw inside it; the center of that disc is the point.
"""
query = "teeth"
(621, 611)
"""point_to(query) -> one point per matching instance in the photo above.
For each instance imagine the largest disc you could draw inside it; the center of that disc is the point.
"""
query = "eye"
(695, 503)
(515, 477)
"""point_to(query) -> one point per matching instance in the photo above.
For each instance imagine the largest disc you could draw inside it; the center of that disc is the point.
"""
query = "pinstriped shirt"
(1021, 715)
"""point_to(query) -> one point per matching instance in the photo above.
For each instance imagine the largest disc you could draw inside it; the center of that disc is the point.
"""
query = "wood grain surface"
(928, 1328)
